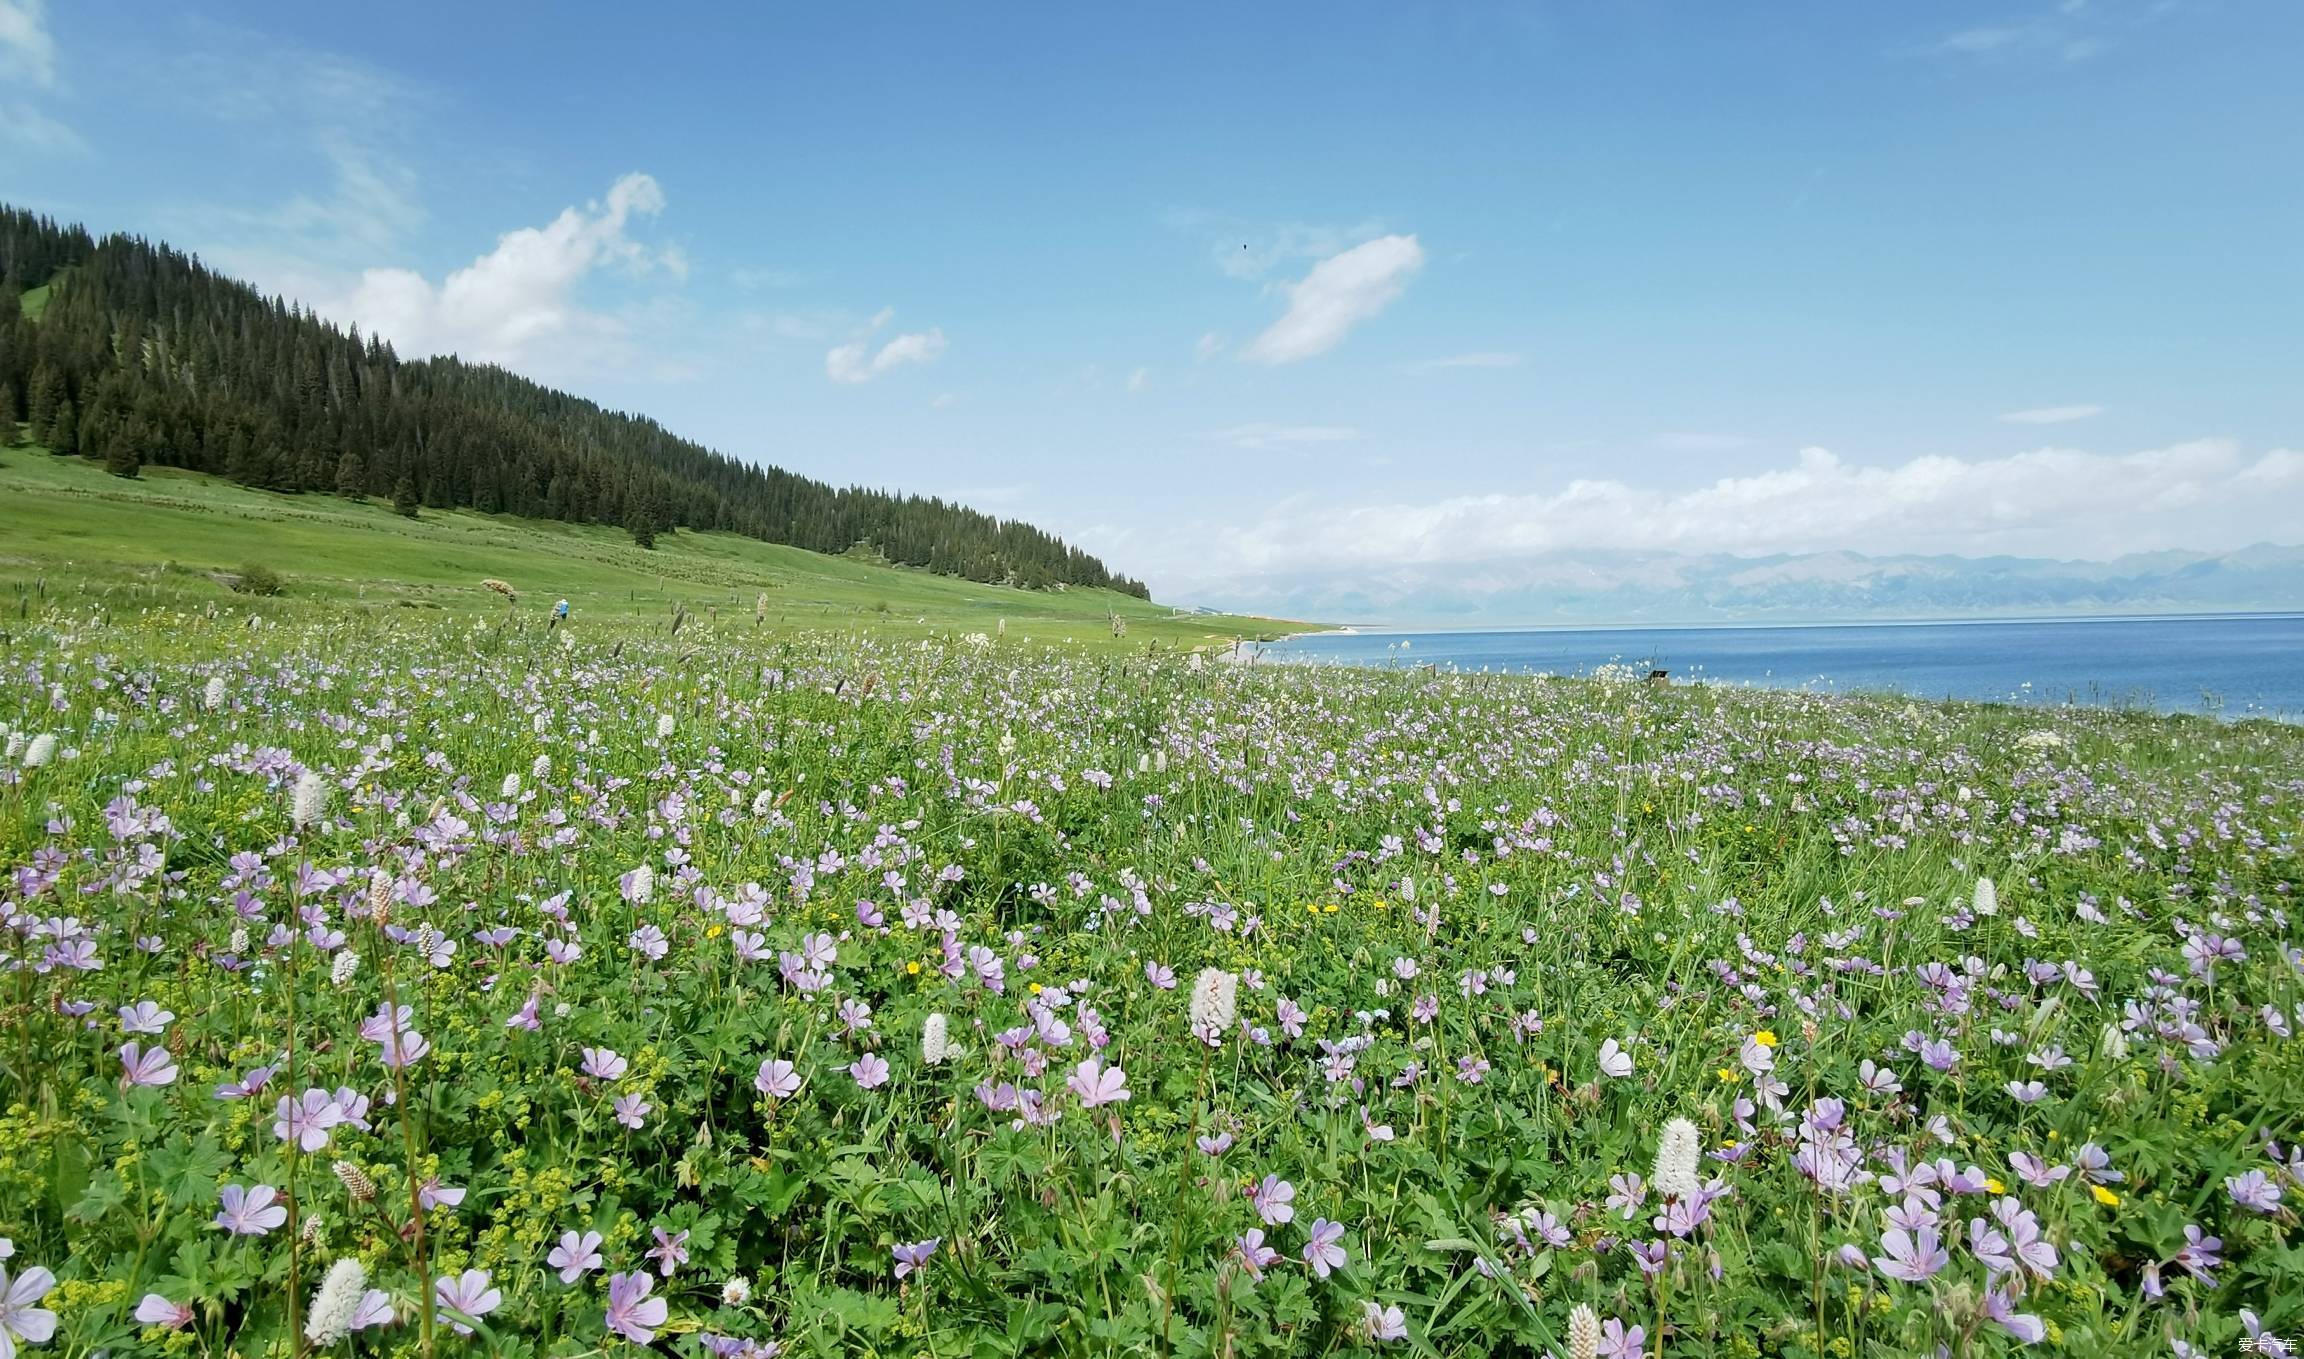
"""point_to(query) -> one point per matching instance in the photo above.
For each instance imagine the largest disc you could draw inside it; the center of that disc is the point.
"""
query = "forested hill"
(142, 355)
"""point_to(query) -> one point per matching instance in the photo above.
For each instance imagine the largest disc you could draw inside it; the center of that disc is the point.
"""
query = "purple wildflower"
(1911, 1256)
(670, 1251)
(1322, 1249)
(465, 1298)
(575, 1255)
(914, 1255)
(631, 1312)
(143, 1067)
(249, 1211)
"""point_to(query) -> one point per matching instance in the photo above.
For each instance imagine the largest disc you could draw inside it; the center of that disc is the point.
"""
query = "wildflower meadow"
(420, 987)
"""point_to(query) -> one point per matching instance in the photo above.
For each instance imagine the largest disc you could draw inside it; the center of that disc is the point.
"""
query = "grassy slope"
(161, 540)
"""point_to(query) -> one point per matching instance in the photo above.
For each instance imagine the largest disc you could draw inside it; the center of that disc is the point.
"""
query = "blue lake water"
(2235, 666)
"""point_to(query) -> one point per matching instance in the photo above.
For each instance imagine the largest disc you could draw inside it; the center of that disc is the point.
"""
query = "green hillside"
(175, 539)
(137, 355)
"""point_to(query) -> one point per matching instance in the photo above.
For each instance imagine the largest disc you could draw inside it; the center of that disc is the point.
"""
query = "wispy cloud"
(359, 126)
(28, 63)
(2067, 32)
(1270, 436)
(23, 125)
(858, 361)
(2051, 415)
(1481, 360)
(27, 48)
(1341, 292)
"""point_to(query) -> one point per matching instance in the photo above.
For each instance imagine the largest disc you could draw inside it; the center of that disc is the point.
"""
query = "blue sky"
(1241, 295)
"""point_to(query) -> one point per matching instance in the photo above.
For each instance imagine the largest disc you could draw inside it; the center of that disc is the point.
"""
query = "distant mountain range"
(1663, 587)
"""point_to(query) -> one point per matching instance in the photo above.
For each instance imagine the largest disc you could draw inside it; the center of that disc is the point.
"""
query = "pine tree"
(47, 394)
(123, 456)
(64, 431)
(11, 433)
(273, 470)
(404, 496)
(351, 478)
(240, 458)
(643, 514)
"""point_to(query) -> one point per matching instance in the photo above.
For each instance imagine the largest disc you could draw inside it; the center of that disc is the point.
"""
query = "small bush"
(258, 580)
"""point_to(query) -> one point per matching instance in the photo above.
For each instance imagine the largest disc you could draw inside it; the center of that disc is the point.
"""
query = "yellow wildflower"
(2104, 1196)
(1765, 1038)
(1992, 1182)
(912, 969)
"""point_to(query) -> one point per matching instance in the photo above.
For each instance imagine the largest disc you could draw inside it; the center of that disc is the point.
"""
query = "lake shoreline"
(2226, 664)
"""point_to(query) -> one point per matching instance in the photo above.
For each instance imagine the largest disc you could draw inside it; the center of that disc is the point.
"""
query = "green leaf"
(187, 1169)
(68, 1166)
(105, 1192)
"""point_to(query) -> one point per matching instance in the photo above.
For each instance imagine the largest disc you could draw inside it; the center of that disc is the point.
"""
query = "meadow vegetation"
(415, 982)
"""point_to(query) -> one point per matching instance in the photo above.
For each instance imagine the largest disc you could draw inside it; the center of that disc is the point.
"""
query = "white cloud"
(1208, 347)
(1270, 436)
(2280, 467)
(1340, 292)
(518, 298)
(2051, 415)
(27, 49)
(2057, 502)
(856, 361)
(1138, 379)
(1484, 360)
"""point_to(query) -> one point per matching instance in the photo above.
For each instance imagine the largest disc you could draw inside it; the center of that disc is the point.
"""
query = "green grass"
(34, 301)
(173, 538)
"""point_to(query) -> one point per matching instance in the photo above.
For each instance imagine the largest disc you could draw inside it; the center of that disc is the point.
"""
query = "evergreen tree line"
(144, 356)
